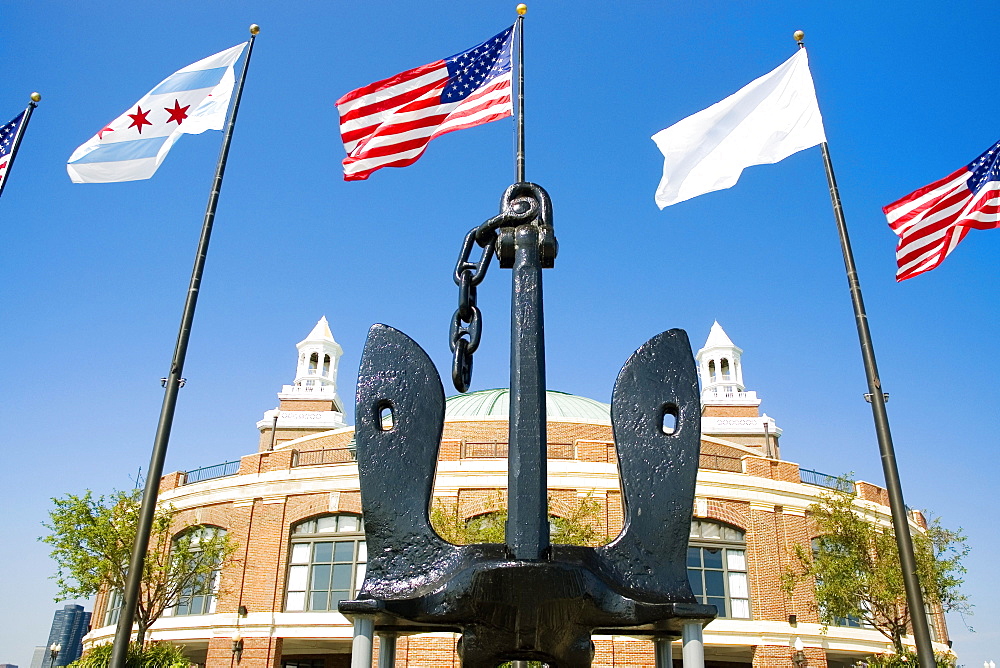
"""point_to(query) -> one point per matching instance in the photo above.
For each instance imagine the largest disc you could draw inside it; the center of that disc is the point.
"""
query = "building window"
(198, 598)
(717, 568)
(327, 562)
(113, 610)
(309, 662)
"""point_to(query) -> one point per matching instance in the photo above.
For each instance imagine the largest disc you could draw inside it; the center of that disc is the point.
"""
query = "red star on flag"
(178, 113)
(139, 119)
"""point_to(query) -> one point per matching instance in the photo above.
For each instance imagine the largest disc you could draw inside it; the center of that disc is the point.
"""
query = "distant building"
(294, 509)
(69, 625)
(7, 665)
(38, 656)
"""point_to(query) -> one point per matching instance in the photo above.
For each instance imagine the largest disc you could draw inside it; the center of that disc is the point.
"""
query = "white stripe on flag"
(127, 148)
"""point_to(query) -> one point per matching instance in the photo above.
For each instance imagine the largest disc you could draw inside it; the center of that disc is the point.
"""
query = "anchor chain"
(521, 203)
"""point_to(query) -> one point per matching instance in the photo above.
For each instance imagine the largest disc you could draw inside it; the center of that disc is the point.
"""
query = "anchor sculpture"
(525, 599)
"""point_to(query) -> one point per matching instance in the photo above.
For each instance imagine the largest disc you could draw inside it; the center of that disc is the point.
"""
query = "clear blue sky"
(95, 275)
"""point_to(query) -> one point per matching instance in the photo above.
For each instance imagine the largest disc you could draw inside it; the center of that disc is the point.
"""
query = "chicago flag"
(189, 101)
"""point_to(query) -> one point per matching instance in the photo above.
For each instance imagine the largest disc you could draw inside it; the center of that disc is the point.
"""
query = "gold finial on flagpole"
(36, 97)
(798, 36)
(254, 28)
(522, 9)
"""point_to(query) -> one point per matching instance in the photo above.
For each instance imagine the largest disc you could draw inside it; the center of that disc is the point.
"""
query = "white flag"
(765, 121)
(132, 146)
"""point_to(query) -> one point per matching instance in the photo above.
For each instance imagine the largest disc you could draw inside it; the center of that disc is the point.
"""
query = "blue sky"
(95, 275)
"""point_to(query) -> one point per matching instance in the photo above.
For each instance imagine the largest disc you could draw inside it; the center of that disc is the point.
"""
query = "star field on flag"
(390, 122)
(189, 101)
(7, 135)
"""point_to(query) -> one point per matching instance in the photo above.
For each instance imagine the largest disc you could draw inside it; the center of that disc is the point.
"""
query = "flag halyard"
(390, 122)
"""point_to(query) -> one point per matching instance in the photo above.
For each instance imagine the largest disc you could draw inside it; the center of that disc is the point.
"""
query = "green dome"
(495, 404)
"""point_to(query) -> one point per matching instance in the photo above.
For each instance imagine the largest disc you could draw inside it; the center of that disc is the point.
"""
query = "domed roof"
(495, 404)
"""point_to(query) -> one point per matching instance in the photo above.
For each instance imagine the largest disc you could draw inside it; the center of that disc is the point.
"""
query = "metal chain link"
(521, 203)
(466, 323)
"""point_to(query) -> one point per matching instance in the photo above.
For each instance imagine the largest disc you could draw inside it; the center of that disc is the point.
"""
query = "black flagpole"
(35, 99)
(172, 383)
(522, 9)
(900, 524)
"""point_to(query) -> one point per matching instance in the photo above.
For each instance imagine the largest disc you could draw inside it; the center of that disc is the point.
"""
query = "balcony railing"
(825, 480)
(325, 456)
(209, 472)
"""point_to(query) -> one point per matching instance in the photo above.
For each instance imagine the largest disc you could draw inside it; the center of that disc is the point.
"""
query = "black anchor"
(526, 599)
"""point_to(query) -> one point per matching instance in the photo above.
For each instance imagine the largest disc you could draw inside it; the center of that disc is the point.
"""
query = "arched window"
(326, 365)
(313, 362)
(327, 562)
(717, 568)
(198, 598)
(724, 369)
(711, 370)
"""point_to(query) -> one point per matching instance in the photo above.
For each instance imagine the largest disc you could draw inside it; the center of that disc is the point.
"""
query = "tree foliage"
(907, 659)
(153, 655)
(855, 566)
(91, 539)
(579, 527)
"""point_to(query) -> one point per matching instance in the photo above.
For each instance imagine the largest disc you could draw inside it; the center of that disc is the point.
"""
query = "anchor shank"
(527, 530)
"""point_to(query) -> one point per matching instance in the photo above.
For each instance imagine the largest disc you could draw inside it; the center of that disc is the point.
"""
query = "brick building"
(293, 507)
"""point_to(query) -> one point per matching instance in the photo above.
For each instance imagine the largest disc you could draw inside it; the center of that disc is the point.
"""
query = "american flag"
(931, 221)
(390, 122)
(7, 135)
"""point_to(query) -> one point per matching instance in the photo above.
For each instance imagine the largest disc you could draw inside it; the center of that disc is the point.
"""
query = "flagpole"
(900, 524)
(172, 383)
(35, 99)
(522, 9)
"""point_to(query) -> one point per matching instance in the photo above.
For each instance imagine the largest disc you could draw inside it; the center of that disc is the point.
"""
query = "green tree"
(91, 539)
(153, 655)
(579, 527)
(855, 566)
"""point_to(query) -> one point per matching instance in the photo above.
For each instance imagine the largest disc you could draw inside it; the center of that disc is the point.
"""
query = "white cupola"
(721, 372)
(316, 371)
(311, 403)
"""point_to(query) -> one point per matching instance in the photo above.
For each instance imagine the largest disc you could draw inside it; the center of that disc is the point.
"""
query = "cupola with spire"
(729, 411)
(311, 403)
(721, 371)
(316, 372)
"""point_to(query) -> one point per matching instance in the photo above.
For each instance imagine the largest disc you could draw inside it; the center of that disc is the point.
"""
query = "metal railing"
(325, 456)
(825, 480)
(209, 472)
(720, 463)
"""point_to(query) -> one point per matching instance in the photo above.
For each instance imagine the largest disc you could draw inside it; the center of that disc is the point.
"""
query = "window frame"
(730, 539)
(301, 572)
(208, 595)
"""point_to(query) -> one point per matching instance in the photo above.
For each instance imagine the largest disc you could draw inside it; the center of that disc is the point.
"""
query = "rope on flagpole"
(172, 383)
(35, 99)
